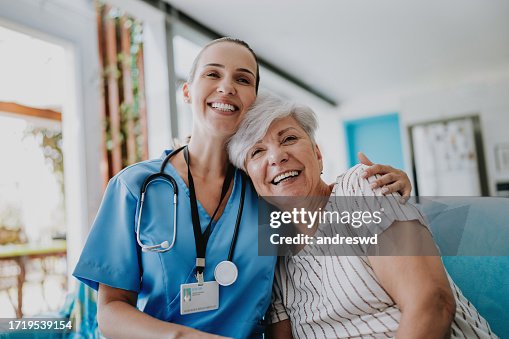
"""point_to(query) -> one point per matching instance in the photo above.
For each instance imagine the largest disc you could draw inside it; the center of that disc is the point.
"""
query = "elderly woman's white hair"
(266, 109)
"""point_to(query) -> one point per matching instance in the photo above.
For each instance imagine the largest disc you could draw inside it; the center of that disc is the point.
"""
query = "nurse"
(170, 289)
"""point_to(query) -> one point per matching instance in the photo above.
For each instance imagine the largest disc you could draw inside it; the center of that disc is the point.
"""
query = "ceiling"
(347, 48)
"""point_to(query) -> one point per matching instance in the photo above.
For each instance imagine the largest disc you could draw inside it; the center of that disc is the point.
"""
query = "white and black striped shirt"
(341, 297)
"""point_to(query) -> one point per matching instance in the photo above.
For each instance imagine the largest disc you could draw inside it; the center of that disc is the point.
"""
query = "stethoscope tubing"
(157, 248)
(164, 246)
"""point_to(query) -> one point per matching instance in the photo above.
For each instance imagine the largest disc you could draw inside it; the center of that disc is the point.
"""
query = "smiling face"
(285, 162)
(223, 88)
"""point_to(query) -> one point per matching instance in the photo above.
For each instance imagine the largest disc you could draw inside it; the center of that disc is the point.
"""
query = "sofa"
(473, 237)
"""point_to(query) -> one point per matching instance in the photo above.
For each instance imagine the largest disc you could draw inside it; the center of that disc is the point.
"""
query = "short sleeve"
(110, 255)
(277, 310)
(365, 198)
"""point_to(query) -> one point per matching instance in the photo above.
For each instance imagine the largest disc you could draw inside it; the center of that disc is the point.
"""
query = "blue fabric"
(112, 256)
(83, 314)
(80, 308)
(473, 234)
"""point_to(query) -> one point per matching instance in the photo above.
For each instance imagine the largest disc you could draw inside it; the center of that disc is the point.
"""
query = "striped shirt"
(341, 297)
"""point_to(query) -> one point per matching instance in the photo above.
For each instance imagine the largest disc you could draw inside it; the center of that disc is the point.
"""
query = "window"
(32, 200)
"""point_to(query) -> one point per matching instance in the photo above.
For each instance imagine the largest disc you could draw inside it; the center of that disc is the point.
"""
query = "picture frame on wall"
(448, 158)
(502, 158)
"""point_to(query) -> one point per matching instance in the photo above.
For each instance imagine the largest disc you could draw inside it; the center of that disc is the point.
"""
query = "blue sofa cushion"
(473, 237)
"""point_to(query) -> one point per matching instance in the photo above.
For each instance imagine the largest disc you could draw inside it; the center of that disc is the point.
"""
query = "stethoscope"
(161, 176)
(226, 271)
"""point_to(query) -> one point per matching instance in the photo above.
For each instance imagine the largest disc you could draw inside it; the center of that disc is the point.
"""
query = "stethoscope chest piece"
(226, 273)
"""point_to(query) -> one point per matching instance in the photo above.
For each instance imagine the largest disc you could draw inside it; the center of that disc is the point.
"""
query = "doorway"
(33, 228)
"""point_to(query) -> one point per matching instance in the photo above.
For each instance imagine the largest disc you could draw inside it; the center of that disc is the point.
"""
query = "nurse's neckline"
(180, 165)
(210, 205)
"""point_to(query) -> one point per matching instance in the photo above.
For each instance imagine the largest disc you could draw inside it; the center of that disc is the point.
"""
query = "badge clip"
(199, 277)
(200, 262)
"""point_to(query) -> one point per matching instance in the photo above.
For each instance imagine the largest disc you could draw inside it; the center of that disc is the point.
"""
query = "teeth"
(223, 107)
(283, 176)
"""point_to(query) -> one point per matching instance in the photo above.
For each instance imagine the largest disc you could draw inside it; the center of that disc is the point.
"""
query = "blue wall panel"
(378, 137)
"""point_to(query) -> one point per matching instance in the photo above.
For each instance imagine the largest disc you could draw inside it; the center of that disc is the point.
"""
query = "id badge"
(195, 298)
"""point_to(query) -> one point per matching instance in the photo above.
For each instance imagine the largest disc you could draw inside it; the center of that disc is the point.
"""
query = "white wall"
(489, 99)
(485, 94)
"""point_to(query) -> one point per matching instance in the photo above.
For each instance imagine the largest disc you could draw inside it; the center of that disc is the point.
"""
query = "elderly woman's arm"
(279, 330)
(118, 317)
(418, 284)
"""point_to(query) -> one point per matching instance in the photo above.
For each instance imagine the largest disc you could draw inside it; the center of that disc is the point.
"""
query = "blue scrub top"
(112, 256)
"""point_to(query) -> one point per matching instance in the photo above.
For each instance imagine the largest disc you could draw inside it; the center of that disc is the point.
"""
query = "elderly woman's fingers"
(364, 159)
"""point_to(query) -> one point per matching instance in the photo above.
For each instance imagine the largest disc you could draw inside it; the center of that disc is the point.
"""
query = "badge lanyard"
(226, 272)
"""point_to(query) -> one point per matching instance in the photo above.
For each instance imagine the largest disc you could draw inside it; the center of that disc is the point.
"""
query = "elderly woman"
(344, 296)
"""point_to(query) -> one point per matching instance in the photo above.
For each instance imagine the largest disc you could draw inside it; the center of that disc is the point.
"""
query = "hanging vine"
(129, 111)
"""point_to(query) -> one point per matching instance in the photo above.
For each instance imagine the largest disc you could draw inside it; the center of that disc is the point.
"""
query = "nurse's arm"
(390, 178)
(417, 283)
(118, 317)
(279, 330)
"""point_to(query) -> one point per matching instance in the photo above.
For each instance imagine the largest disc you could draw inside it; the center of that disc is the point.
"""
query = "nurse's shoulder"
(134, 175)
